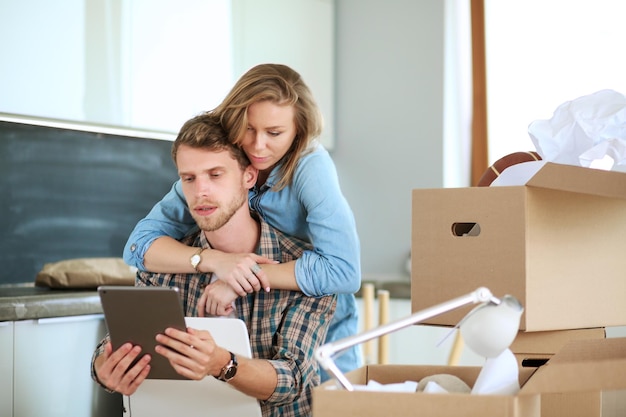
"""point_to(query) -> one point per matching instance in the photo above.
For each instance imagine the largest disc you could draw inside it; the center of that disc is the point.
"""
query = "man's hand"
(242, 271)
(217, 299)
(112, 368)
(193, 354)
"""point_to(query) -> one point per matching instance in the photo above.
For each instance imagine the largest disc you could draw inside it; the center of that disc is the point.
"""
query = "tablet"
(137, 315)
(207, 397)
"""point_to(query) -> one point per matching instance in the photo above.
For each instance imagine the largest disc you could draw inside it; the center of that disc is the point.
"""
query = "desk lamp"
(488, 329)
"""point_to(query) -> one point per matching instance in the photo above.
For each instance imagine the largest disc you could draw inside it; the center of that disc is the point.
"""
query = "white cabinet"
(6, 368)
(51, 369)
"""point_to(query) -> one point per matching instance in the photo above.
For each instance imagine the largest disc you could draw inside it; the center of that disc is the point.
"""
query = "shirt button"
(133, 247)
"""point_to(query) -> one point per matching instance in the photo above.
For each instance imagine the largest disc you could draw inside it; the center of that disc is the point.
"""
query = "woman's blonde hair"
(281, 85)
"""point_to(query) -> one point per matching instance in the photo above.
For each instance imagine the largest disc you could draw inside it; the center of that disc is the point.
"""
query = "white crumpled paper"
(498, 376)
(406, 386)
(589, 131)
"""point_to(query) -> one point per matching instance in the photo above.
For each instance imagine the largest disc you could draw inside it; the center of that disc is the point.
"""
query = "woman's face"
(271, 131)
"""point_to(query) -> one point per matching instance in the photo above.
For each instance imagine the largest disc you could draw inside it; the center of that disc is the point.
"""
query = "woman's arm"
(153, 246)
(314, 208)
(236, 269)
(167, 255)
(169, 217)
(282, 276)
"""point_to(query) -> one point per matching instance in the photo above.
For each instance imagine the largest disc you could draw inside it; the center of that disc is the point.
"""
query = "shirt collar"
(268, 245)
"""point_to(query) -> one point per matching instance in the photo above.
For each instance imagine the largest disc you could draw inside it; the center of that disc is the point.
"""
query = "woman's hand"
(217, 299)
(242, 271)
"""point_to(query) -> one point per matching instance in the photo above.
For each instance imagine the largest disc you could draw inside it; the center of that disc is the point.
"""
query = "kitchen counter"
(27, 302)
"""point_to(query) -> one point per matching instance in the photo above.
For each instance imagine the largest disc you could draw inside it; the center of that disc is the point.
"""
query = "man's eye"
(187, 179)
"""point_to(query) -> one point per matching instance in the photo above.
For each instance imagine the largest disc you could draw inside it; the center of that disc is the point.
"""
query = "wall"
(388, 116)
(389, 123)
(127, 62)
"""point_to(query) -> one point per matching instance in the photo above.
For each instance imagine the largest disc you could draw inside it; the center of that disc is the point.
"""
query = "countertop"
(27, 302)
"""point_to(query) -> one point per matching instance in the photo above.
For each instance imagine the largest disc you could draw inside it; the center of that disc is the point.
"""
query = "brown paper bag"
(86, 273)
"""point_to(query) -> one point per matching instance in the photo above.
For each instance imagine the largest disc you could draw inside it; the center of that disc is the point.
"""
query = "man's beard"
(223, 216)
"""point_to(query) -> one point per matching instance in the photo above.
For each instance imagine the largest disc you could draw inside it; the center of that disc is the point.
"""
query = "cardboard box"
(581, 366)
(341, 403)
(544, 345)
(533, 349)
(556, 243)
(585, 378)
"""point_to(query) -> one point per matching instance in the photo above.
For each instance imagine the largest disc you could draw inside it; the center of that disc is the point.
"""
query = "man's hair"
(206, 132)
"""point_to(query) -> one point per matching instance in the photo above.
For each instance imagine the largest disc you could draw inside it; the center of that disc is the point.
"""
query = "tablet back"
(207, 397)
(137, 315)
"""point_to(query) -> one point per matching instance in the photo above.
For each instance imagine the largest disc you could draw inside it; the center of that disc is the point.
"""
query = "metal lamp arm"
(325, 353)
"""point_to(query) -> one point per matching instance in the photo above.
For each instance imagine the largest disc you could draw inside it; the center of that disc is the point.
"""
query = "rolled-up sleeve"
(333, 266)
(169, 217)
(303, 329)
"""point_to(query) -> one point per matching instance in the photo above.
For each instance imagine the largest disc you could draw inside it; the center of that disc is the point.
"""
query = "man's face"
(213, 184)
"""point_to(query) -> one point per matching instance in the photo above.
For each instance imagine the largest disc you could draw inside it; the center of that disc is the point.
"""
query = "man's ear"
(250, 175)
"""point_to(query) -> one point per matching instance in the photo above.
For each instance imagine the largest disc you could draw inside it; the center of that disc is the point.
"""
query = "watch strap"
(230, 369)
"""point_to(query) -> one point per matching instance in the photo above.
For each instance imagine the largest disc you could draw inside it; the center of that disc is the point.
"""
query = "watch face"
(195, 260)
(230, 372)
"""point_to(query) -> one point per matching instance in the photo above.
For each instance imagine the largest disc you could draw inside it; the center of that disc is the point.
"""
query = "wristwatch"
(230, 370)
(195, 259)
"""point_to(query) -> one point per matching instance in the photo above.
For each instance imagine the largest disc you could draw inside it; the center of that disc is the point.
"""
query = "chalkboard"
(72, 194)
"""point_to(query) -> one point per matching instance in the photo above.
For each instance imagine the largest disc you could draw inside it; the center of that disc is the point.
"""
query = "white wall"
(389, 120)
(32, 61)
(152, 65)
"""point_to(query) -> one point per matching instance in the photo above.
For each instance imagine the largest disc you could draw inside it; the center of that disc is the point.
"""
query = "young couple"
(291, 185)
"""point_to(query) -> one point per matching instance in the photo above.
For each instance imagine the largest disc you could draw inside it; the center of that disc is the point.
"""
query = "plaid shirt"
(285, 327)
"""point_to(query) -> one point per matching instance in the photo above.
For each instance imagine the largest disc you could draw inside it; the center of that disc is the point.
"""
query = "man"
(285, 326)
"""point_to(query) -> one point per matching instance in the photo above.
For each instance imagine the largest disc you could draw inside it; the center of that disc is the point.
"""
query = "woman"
(271, 113)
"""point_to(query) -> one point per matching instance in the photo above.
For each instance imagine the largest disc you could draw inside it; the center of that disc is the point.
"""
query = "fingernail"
(267, 289)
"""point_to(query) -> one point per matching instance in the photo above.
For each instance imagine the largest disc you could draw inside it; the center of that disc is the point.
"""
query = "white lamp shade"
(489, 329)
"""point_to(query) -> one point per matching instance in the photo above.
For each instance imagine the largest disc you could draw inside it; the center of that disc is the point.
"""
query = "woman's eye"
(274, 134)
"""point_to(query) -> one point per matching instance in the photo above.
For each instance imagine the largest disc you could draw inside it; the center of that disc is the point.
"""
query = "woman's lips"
(258, 159)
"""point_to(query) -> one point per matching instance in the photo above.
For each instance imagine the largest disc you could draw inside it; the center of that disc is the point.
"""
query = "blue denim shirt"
(313, 209)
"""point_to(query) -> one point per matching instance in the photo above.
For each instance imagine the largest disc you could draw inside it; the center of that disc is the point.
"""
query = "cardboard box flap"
(580, 180)
(550, 342)
(582, 365)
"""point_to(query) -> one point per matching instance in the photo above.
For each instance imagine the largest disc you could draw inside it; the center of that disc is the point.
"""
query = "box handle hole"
(465, 229)
(534, 363)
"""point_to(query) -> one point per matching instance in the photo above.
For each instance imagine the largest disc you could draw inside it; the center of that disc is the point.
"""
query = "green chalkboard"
(69, 193)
